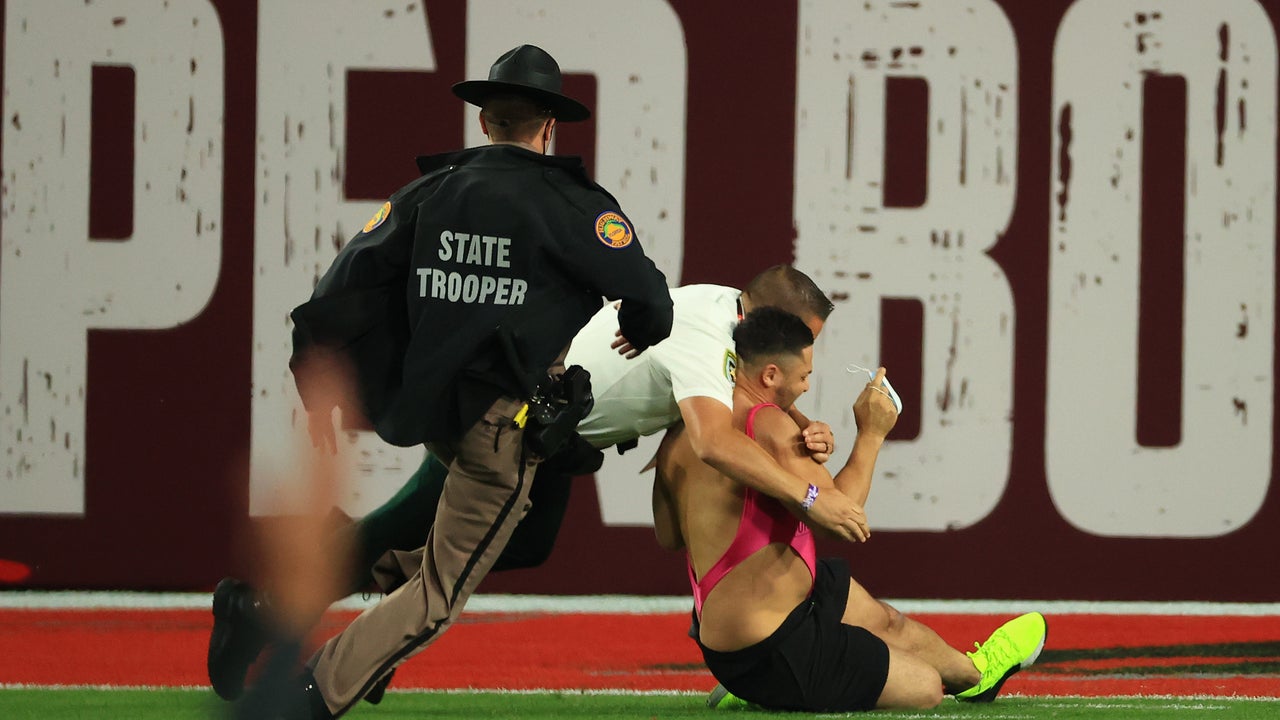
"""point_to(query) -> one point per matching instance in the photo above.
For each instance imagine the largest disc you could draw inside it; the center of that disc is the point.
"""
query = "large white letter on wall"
(1101, 479)
(954, 472)
(56, 283)
(302, 214)
(641, 79)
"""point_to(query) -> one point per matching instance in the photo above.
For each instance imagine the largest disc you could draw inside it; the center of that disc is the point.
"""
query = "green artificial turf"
(201, 704)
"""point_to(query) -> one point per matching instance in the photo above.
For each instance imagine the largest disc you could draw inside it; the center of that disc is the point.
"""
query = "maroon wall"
(168, 410)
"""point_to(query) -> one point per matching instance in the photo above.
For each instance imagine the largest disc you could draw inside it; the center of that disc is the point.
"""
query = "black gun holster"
(558, 404)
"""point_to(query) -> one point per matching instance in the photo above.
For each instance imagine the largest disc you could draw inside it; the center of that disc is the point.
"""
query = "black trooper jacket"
(489, 241)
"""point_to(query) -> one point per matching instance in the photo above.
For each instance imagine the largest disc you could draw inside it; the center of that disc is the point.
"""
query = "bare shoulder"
(776, 432)
(782, 438)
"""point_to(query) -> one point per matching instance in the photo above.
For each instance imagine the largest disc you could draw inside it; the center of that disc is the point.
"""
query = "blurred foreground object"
(295, 551)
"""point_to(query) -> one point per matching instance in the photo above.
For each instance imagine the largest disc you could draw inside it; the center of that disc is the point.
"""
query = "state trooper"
(453, 305)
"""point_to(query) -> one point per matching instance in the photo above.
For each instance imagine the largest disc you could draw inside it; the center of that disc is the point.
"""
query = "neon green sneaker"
(1013, 646)
(721, 699)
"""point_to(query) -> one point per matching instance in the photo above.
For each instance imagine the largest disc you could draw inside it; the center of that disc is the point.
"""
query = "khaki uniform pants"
(485, 496)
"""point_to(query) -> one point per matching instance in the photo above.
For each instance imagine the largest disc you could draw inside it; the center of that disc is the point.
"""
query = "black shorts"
(812, 662)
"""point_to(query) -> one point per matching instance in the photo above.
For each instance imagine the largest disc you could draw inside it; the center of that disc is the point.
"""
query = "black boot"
(239, 634)
(278, 696)
(312, 703)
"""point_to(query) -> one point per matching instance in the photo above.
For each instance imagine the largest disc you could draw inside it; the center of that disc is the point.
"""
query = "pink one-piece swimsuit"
(764, 521)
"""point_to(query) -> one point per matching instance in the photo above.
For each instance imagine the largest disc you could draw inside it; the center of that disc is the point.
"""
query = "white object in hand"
(871, 376)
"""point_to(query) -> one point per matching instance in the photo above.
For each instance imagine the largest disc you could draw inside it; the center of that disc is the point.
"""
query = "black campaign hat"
(530, 71)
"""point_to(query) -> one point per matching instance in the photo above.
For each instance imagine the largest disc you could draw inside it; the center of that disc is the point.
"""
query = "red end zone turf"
(1092, 655)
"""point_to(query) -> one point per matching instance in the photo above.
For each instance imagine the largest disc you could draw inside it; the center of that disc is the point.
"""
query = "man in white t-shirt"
(641, 395)
(687, 378)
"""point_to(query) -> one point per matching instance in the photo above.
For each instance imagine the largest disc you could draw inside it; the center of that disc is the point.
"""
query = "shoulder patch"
(612, 230)
(378, 217)
(731, 366)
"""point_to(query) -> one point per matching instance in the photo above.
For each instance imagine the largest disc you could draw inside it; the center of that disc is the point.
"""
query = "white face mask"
(884, 387)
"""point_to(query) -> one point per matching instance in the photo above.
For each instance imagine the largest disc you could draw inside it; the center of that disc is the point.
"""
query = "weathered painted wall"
(1054, 222)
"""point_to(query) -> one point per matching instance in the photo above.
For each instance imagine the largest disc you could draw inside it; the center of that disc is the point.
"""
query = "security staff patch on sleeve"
(378, 217)
(731, 366)
(613, 230)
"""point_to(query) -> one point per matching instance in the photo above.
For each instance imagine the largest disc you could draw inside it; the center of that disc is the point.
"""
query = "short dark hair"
(512, 116)
(767, 333)
(786, 287)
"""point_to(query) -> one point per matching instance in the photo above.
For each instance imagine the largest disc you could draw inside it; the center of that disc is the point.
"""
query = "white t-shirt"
(639, 396)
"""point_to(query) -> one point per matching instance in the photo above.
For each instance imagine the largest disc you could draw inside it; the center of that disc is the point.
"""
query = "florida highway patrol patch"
(613, 230)
(378, 217)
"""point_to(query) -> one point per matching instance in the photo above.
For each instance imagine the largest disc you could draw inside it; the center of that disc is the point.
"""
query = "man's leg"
(901, 632)
(241, 626)
(484, 498)
(401, 523)
(531, 543)
(912, 683)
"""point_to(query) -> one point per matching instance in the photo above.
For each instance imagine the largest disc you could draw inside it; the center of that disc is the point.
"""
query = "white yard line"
(1173, 701)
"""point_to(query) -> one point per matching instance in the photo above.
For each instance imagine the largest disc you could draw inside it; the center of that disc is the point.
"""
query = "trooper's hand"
(621, 343)
(623, 346)
(835, 512)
